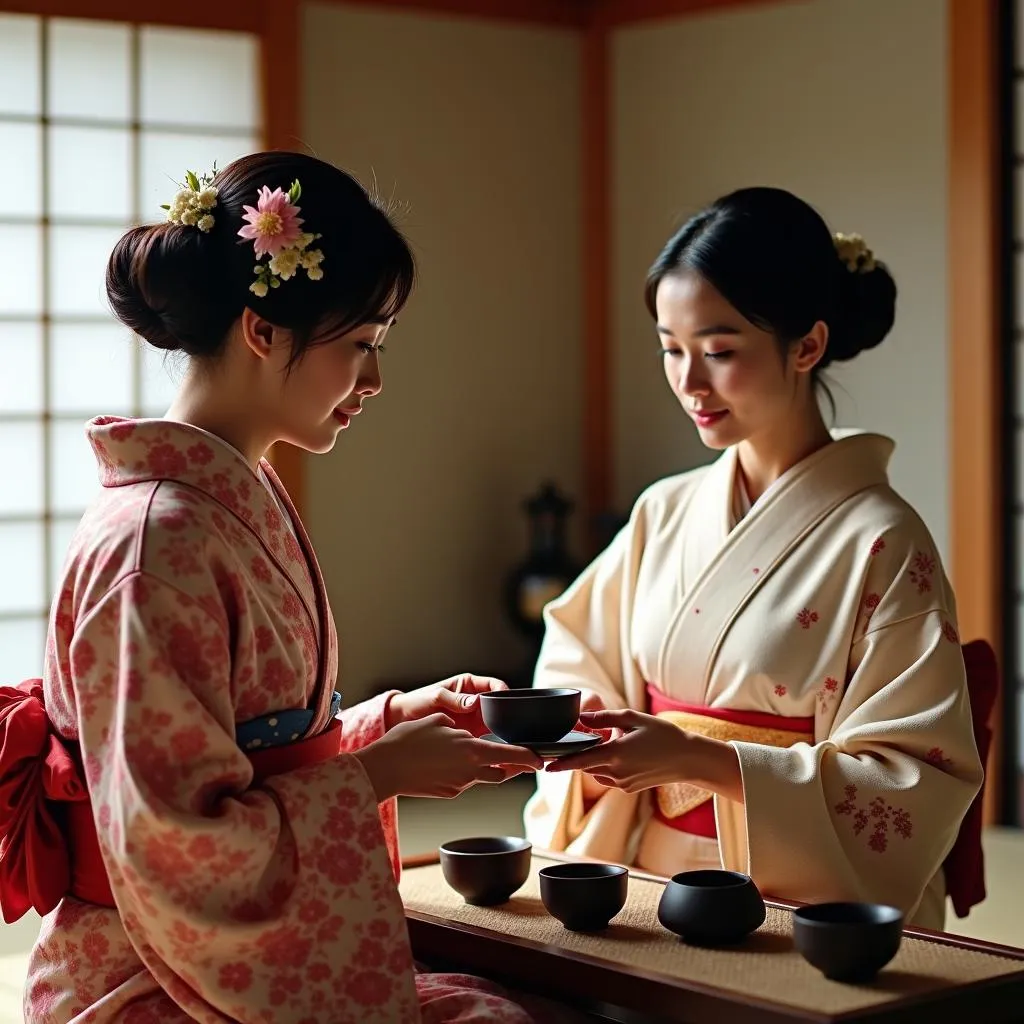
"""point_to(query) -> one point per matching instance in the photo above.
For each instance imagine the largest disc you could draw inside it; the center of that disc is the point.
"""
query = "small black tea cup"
(536, 715)
(848, 942)
(584, 897)
(486, 870)
(711, 908)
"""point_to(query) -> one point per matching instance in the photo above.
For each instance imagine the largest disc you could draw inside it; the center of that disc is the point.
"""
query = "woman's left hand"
(457, 697)
(646, 751)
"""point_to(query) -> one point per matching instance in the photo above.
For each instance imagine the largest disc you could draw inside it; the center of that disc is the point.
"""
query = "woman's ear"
(257, 333)
(810, 349)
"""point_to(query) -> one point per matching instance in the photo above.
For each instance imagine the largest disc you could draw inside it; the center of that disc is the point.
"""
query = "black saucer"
(571, 743)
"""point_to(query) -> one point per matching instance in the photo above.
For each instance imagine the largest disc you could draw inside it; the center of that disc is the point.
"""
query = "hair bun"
(865, 301)
(184, 283)
(149, 270)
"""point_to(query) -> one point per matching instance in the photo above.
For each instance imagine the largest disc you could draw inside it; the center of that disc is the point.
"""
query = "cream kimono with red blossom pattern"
(188, 605)
(827, 600)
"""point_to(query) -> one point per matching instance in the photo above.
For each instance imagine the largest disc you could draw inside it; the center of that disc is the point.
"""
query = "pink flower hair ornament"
(274, 227)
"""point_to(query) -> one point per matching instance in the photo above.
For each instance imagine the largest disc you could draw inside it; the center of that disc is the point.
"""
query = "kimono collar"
(863, 446)
(136, 451)
(723, 567)
(853, 455)
(858, 450)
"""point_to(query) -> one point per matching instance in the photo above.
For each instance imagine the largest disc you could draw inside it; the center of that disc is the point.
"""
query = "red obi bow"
(48, 850)
(35, 769)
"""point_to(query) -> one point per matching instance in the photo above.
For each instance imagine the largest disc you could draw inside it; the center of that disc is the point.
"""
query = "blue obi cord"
(280, 728)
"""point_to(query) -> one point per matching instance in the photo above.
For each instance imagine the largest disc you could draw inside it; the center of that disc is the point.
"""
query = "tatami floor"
(489, 810)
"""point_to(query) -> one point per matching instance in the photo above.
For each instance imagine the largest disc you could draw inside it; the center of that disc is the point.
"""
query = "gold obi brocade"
(679, 798)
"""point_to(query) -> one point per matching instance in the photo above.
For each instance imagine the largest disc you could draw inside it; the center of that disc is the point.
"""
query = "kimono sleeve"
(245, 902)
(365, 723)
(870, 812)
(586, 645)
(585, 628)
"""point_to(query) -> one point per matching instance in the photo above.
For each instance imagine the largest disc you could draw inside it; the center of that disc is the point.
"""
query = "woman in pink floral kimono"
(209, 836)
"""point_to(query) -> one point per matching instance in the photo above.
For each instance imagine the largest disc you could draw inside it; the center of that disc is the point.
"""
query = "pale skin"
(716, 362)
(250, 398)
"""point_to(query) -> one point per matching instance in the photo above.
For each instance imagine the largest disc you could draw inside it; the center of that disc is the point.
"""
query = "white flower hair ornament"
(854, 252)
(193, 202)
(274, 226)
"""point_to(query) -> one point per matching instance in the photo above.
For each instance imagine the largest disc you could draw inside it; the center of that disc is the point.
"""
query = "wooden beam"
(281, 96)
(613, 13)
(569, 13)
(596, 189)
(232, 15)
(239, 15)
(976, 399)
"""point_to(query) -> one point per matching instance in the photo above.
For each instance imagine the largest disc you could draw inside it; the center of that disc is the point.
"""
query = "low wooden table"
(639, 967)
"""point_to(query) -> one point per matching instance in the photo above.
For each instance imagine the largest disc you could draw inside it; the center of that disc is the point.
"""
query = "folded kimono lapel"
(139, 451)
(327, 667)
(709, 524)
(723, 570)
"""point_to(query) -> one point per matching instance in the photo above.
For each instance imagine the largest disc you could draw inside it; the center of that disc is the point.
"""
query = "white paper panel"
(22, 582)
(21, 269)
(91, 369)
(22, 647)
(21, 167)
(90, 173)
(21, 368)
(20, 75)
(74, 477)
(221, 74)
(21, 482)
(78, 265)
(88, 69)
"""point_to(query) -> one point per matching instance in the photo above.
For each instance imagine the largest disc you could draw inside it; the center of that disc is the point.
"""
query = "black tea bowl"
(584, 897)
(486, 870)
(531, 716)
(848, 942)
(711, 908)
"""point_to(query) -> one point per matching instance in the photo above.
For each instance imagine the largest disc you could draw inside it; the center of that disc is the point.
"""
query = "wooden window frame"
(976, 326)
(276, 24)
(53, 420)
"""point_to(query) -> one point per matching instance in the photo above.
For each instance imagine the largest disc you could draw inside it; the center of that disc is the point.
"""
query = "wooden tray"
(636, 965)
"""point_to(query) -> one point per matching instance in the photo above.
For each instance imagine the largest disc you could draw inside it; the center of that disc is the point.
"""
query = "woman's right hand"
(430, 757)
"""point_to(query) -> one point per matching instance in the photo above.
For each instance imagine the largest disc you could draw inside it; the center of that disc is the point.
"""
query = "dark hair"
(772, 257)
(181, 289)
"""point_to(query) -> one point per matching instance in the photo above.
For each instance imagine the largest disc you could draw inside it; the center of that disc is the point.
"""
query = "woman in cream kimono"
(208, 837)
(771, 637)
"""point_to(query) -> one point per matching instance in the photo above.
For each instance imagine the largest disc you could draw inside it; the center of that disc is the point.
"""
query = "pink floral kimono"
(191, 604)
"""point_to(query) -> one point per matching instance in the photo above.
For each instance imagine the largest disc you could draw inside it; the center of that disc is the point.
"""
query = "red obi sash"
(687, 808)
(48, 842)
